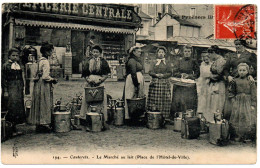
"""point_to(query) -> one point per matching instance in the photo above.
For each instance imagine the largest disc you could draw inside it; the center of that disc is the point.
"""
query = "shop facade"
(76, 26)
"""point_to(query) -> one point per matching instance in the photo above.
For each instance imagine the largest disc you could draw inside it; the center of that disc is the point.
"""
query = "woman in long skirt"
(95, 71)
(13, 89)
(203, 86)
(159, 95)
(217, 87)
(184, 95)
(134, 85)
(42, 98)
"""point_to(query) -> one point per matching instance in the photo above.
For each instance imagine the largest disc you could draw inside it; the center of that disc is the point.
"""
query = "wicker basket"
(94, 94)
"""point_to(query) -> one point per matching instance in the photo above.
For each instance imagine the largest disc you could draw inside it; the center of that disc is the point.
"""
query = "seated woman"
(95, 71)
(159, 94)
(134, 84)
(185, 96)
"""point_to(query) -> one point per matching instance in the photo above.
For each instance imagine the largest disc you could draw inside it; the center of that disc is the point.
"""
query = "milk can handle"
(27, 102)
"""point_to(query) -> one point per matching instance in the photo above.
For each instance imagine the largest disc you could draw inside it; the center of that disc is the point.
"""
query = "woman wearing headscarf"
(185, 94)
(217, 86)
(134, 85)
(13, 89)
(95, 71)
(42, 98)
(159, 94)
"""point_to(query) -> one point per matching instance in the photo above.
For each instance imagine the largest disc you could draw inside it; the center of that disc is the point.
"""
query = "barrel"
(136, 107)
(62, 121)
(154, 120)
(177, 124)
(119, 116)
(94, 122)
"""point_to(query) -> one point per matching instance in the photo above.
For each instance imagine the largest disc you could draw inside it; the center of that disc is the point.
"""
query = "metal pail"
(94, 122)
(62, 121)
(154, 120)
(136, 107)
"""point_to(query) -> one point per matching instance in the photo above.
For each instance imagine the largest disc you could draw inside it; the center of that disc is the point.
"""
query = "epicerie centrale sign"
(90, 10)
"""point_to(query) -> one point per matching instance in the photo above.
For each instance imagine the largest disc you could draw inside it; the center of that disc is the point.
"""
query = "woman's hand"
(184, 76)
(159, 75)
(251, 79)
(230, 79)
(54, 80)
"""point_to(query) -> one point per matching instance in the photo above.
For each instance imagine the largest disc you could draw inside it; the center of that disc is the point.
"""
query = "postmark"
(235, 21)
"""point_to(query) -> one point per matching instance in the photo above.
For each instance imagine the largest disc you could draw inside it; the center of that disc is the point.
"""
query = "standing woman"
(134, 84)
(217, 86)
(95, 71)
(42, 98)
(185, 94)
(159, 94)
(13, 89)
(203, 85)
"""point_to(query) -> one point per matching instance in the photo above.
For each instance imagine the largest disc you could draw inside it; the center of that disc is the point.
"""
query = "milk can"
(62, 121)
(95, 120)
(189, 113)
(177, 122)
(203, 123)
(28, 104)
(119, 113)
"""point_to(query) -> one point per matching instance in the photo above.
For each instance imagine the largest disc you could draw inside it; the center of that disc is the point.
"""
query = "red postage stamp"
(235, 21)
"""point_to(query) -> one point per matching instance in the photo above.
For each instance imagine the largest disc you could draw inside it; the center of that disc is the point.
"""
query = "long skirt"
(183, 98)
(216, 99)
(243, 119)
(129, 91)
(159, 95)
(15, 102)
(42, 103)
(101, 106)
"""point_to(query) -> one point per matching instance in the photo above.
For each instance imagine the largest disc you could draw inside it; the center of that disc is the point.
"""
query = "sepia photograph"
(128, 83)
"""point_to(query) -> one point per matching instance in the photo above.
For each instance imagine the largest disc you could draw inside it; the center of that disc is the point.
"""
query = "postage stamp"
(235, 21)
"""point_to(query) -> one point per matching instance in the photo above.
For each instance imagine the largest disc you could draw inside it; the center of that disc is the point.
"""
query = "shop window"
(169, 31)
(60, 37)
(32, 36)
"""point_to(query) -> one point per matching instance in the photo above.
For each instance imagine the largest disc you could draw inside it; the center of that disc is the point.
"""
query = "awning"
(73, 26)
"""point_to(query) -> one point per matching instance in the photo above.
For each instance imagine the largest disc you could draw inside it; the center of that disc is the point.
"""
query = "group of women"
(224, 85)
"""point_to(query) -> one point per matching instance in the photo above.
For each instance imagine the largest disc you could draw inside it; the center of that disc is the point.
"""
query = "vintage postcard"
(128, 83)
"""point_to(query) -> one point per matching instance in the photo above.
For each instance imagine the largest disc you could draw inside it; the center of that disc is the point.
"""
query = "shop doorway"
(77, 48)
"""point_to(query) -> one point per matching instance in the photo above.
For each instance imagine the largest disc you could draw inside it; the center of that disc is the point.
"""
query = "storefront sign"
(101, 11)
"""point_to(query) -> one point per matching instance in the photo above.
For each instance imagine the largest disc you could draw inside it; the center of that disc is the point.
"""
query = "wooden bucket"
(62, 121)
(94, 122)
(154, 120)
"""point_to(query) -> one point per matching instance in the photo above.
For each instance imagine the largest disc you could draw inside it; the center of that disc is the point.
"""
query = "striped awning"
(73, 26)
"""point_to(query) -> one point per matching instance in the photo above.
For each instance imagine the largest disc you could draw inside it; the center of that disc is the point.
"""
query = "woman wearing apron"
(134, 84)
(95, 71)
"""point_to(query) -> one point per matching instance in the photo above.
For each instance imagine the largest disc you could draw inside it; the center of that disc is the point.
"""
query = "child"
(243, 116)
(13, 88)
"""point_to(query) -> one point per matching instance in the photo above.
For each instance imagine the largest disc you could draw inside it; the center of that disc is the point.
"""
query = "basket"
(94, 94)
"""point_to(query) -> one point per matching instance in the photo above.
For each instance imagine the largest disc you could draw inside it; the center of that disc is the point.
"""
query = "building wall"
(160, 30)
(201, 10)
